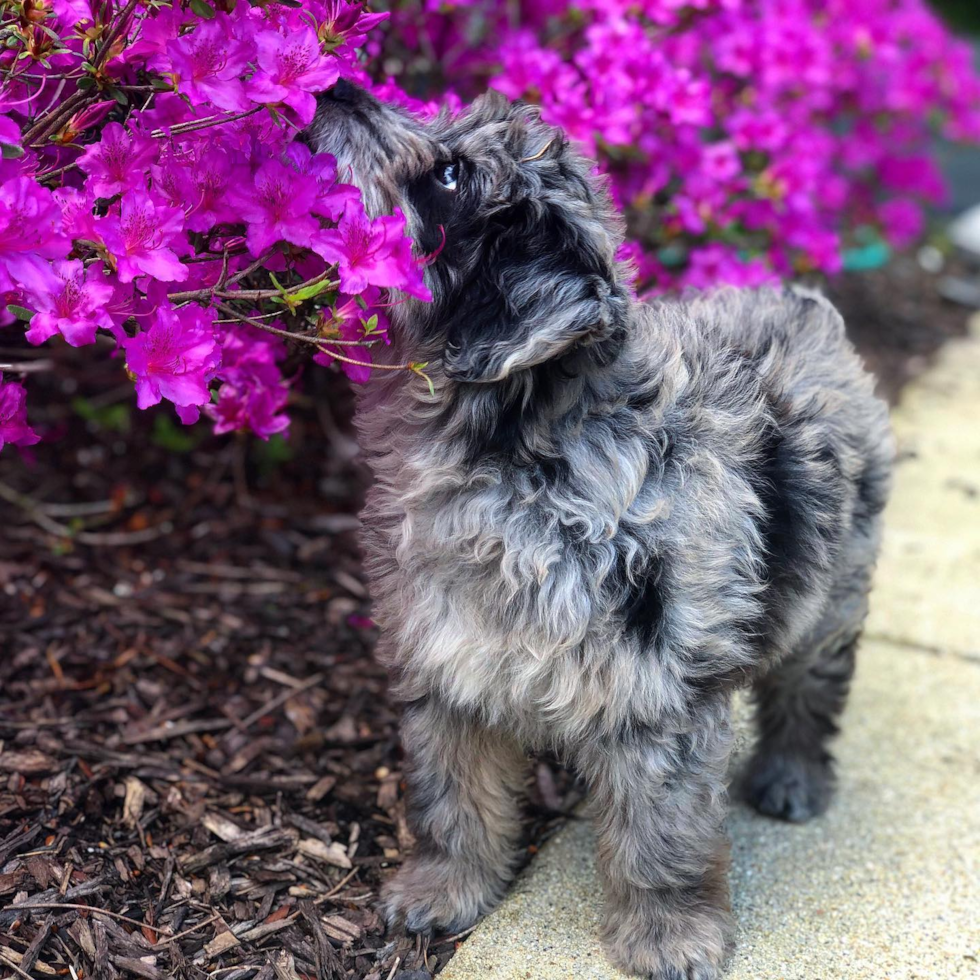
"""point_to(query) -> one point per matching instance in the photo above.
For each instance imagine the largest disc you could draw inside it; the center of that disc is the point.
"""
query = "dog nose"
(344, 92)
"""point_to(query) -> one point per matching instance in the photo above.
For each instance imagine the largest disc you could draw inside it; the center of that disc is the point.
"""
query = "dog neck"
(523, 418)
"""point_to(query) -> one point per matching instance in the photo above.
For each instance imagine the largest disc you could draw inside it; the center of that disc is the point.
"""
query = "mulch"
(200, 773)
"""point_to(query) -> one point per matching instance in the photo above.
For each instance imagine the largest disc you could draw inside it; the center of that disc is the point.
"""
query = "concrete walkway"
(886, 886)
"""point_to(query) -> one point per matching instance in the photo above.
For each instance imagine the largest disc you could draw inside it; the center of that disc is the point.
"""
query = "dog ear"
(541, 287)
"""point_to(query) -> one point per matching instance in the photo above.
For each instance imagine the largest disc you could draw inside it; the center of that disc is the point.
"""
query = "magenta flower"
(277, 207)
(87, 118)
(200, 181)
(75, 307)
(139, 239)
(208, 65)
(348, 23)
(175, 359)
(902, 221)
(292, 68)
(13, 416)
(331, 197)
(354, 322)
(250, 406)
(9, 131)
(253, 393)
(30, 235)
(76, 206)
(375, 253)
(119, 162)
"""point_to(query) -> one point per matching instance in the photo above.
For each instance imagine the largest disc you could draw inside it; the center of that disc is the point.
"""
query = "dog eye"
(447, 174)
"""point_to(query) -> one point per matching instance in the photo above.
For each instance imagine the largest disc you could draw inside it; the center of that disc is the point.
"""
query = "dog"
(607, 516)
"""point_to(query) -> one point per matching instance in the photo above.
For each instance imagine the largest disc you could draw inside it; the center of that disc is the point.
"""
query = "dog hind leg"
(798, 703)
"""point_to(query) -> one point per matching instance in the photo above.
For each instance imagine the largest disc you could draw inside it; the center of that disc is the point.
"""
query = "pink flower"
(331, 197)
(30, 235)
(354, 322)
(902, 221)
(208, 65)
(9, 131)
(370, 252)
(75, 307)
(13, 416)
(291, 68)
(76, 212)
(119, 162)
(139, 239)
(277, 207)
(253, 393)
(201, 181)
(175, 359)
(348, 23)
(720, 161)
(86, 118)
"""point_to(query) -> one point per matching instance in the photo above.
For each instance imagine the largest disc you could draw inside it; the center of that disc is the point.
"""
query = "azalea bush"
(746, 140)
(156, 208)
(155, 205)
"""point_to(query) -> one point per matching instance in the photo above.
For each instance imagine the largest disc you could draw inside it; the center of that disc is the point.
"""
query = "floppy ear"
(540, 287)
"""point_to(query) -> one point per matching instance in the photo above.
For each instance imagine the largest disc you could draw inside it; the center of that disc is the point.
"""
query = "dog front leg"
(659, 796)
(464, 786)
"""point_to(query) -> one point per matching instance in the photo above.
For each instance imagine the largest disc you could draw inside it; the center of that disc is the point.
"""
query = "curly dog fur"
(608, 516)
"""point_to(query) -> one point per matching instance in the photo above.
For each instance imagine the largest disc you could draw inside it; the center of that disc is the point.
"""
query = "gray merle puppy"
(607, 517)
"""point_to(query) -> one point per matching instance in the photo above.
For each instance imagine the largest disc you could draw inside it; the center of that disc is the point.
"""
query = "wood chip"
(221, 826)
(27, 762)
(334, 854)
(145, 967)
(339, 929)
(134, 801)
(266, 839)
(221, 943)
(285, 966)
(320, 788)
(18, 958)
(264, 929)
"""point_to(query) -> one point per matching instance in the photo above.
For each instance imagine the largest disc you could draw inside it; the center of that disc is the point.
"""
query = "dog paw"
(433, 896)
(789, 787)
(680, 944)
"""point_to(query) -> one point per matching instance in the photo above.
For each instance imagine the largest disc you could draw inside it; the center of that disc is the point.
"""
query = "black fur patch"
(643, 610)
(802, 498)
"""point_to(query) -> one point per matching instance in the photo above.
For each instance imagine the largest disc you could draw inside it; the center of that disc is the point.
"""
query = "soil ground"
(193, 734)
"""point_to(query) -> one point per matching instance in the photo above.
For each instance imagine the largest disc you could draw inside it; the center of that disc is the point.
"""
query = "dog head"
(525, 233)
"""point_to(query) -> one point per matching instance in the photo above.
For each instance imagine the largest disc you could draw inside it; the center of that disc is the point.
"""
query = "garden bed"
(193, 734)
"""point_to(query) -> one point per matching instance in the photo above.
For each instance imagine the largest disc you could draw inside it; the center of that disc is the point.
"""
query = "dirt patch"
(193, 734)
(897, 320)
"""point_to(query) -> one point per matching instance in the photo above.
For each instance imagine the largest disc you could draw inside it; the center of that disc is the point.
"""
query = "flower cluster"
(154, 204)
(745, 139)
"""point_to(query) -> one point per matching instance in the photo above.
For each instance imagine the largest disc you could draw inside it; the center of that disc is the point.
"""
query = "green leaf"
(112, 418)
(271, 453)
(11, 151)
(176, 438)
(202, 9)
(19, 311)
(370, 326)
(307, 292)
(120, 96)
(419, 370)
